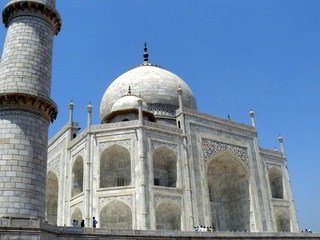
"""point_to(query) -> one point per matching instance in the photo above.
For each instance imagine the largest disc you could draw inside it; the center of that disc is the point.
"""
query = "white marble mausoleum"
(156, 162)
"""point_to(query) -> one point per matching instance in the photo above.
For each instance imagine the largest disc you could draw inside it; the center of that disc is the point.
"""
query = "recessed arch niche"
(77, 177)
(276, 182)
(77, 215)
(228, 186)
(52, 198)
(168, 216)
(115, 167)
(282, 219)
(116, 215)
(164, 167)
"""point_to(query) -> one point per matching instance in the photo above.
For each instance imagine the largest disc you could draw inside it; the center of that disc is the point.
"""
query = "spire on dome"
(145, 54)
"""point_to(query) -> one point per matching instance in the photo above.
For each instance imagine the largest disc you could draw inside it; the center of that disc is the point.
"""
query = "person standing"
(74, 223)
(94, 222)
(82, 223)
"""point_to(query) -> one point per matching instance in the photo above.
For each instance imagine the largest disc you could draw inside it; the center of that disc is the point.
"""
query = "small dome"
(156, 86)
(128, 103)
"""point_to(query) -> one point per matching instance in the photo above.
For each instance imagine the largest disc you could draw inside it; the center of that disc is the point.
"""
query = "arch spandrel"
(54, 165)
(126, 199)
(155, 144)
(122, 143)
(158, 199)
(231, 156)
(210, 148)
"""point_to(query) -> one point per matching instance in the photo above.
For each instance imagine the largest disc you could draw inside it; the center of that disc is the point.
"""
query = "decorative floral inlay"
(103, 201)
(163, 127)
(159, 198)
(115, 125)
(78, 154)
(155, 144)
(78, 205)
(54, 165)
(124, 143)
(211, 147)
(56, 149)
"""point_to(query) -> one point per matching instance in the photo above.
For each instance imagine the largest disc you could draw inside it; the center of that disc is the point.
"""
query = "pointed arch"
(77, 177)
(228, 191)
(115, 167)
(76, 215)
(276, 182)
(116, 215)
(52, 198)
(164, 167)
(168, 216)
(282, 220)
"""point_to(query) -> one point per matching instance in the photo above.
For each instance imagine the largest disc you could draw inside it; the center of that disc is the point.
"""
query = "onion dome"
(155, 85)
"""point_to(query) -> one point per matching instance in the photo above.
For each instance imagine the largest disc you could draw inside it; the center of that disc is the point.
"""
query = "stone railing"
(167, 128)
(128, 124)
(27, 225)
(114, 125)
(218, 119)
(270, 152)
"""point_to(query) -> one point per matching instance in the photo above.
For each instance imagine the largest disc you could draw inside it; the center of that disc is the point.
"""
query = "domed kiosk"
(155, 85)
(126, 109)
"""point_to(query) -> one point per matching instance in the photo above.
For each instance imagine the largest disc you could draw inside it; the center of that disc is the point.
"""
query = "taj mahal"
(155, 161)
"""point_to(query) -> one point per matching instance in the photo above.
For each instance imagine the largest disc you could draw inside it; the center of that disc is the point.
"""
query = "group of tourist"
(203, 229)
(306, 231)
(75, 223)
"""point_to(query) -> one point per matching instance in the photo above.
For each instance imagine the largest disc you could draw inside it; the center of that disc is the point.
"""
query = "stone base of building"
(22, 229)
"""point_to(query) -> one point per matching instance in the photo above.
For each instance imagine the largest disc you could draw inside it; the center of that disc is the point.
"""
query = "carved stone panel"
(78, 205)
(54, 165)
(159, 198)
(103, 201)
(124, 143)
(211, 147)
(56, 149)
(155, 144)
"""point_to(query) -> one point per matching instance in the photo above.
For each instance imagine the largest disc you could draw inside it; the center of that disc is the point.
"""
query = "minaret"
(25, 105)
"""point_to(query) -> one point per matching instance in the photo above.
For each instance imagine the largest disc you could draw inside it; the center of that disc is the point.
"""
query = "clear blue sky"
(235, 55)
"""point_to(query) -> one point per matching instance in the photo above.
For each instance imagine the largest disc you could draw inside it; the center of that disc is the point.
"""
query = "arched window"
(282, 220)
(116, 215)
(164, 167)
(168, 216)
(115, 167)
(77, 215)
(276, 185)
(52, 198)
(228, 187)
(77, 177)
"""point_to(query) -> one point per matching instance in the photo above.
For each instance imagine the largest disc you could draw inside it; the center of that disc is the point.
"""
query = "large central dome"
(155, 85)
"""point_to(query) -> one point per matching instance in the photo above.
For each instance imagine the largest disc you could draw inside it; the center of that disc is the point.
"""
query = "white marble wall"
(206, 138)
